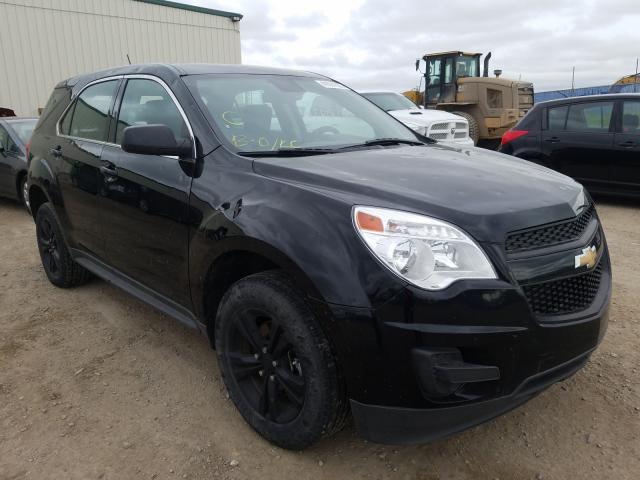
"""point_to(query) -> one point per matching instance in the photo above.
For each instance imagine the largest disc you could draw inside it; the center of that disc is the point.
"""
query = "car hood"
(486, 193)
(424, 117)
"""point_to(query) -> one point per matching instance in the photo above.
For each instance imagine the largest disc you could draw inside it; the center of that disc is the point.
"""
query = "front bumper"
(489, 322)
(393, 425)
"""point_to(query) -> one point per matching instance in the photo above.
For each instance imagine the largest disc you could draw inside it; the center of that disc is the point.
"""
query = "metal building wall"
(45, 41)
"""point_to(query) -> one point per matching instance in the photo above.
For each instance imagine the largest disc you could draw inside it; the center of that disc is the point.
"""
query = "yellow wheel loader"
(492, 105)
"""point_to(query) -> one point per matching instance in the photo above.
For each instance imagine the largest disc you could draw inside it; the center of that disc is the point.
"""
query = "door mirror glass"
(154, 140)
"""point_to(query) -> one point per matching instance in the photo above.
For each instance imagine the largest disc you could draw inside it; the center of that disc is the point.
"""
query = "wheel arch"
(37, 197)
(246, 257)
(19, 177)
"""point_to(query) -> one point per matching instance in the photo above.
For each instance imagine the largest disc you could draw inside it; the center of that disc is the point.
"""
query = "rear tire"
(277, 363)
(474, 129)
(60, 268)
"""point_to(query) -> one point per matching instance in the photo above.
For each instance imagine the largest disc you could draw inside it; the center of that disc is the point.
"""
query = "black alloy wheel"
(266, 367)
(60, 268)
(48, 245)
(277, 363)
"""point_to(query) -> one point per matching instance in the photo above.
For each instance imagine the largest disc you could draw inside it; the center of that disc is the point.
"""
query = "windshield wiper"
(384, 142)
(287, 152)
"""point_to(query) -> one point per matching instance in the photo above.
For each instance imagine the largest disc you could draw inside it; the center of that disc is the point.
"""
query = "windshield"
(277, 112)
(23, 128)
(389, 101)
(467, 66)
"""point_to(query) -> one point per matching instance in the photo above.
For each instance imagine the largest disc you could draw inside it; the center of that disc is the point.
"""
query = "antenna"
(573, 78)
(128, 59)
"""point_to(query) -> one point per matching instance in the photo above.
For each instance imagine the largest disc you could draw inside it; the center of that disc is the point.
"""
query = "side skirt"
(131, 286)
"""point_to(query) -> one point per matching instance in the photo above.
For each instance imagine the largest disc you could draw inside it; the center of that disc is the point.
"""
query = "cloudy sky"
(373, 44)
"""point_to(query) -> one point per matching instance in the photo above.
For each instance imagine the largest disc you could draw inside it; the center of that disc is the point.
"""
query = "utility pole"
(635, 79)
(573, 79)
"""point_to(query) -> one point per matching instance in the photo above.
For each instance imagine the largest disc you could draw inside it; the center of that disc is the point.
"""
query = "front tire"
(474, 128)
(277, 363)
(60, 268)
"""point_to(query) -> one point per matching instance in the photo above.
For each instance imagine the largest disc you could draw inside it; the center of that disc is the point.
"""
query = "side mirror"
(155, 140)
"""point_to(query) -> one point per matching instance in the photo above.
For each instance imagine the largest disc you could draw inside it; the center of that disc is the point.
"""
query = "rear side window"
(589, 117)
(631, 117)
(90, 118)
(557, 116)
(146, 102)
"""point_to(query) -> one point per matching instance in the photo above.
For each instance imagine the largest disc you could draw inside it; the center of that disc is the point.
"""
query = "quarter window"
(631, 117)
(91, 112)
(146, 102)
(589, 117)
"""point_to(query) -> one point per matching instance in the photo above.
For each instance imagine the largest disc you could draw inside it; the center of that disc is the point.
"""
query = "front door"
(83, 131)
(145, 197)
(578, 141)
(625, 170)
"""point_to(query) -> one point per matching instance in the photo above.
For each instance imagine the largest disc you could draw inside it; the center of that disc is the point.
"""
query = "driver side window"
(146, 102)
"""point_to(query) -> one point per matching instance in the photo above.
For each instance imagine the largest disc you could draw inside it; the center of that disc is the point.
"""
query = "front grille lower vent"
(568, 295)
(550, 234)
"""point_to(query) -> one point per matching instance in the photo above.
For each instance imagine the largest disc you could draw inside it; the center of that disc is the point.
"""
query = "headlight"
(417, 128)
(429, 253)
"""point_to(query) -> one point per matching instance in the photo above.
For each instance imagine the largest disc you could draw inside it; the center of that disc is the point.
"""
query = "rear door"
(579, 140)
(625, 170)
(82, 133)
(145, 197)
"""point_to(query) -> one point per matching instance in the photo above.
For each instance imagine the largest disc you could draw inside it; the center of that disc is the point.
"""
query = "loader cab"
(443, 71)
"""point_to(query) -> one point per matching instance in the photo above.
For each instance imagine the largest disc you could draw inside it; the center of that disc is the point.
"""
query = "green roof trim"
(194, 8)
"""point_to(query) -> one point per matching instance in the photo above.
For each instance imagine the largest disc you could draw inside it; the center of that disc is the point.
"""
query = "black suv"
(337, 261)
(594, 139)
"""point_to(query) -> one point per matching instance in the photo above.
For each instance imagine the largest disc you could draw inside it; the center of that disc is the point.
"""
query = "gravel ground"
(95, 384)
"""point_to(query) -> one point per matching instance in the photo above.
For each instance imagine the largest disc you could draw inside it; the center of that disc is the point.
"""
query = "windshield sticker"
(330, 84)
(240, 141)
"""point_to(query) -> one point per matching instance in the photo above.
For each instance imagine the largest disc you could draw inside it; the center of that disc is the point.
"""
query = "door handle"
(56, 152)
(109, 171)
(552, 140)
(628, 144)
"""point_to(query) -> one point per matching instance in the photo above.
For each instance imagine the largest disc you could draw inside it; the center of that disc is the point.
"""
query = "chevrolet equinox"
(339, 263)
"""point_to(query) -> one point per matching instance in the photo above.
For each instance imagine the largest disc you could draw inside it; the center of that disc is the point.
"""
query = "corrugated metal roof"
(193, 8)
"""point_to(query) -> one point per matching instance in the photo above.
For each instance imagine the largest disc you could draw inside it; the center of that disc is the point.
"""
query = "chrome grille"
(451, 131)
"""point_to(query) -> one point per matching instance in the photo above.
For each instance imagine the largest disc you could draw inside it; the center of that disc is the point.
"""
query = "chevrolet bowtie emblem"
(587, 258)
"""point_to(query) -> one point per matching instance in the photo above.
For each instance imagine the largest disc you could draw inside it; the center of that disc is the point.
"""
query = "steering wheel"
(325, 130)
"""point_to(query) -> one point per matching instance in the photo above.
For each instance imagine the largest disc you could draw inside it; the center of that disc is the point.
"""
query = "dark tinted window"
(557, 117)
(65, 123)
(146, 102)
(631, 117)
(91, 112)
(589, 117)
(4, 139)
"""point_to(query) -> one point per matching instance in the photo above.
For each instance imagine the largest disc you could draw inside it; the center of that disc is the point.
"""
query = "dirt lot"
(94, 384)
